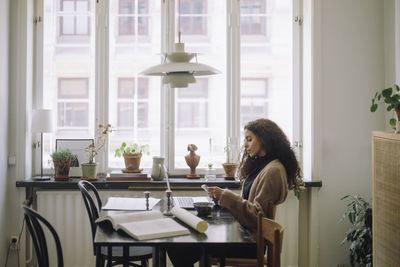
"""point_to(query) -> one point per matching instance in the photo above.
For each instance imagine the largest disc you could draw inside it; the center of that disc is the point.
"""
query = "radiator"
(65, 210)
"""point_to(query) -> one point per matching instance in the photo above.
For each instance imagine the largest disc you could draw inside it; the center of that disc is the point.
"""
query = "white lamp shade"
(179, 80)
(42, 121)
(197, 69)
(178, 72)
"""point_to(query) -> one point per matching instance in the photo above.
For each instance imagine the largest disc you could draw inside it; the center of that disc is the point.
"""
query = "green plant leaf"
(379, 97)
(397, 87)
(387, 92)
(374, 107)
(392, 122)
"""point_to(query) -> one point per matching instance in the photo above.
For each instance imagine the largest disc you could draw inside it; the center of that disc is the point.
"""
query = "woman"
(268, 168)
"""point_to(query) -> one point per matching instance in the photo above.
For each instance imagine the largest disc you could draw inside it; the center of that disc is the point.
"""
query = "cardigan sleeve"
(268, 186)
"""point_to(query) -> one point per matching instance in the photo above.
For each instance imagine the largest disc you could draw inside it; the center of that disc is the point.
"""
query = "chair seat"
(133, 251)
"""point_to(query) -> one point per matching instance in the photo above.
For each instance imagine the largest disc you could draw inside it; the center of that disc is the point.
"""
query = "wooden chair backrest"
(271, 212)
(93, 208)
(34, 222)
(271, 233)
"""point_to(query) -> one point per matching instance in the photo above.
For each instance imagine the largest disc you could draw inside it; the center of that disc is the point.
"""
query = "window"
(192, 103)
(130, 103)
(89, 73)
(193, 17)
(253, 17)
(132, 13)
(73, 106)
(73, 19)
(254, 100)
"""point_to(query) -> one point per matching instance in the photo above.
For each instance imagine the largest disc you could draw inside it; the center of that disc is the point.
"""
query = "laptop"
(187, 202)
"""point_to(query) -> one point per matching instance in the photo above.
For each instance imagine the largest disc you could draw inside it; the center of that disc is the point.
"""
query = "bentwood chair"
(34, 223)
(271, 212)
(142, 254)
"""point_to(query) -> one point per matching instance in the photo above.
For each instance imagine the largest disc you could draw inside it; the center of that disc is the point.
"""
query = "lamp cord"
(179, 21)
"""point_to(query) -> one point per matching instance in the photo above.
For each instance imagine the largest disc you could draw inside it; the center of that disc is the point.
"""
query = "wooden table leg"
(109, 256)
(203, 258)
(98, 257)
(221, 258)
(163, 257)
(126, 256)
(156, 259)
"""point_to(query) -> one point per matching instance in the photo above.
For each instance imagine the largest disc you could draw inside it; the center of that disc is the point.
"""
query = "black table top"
(221, 230)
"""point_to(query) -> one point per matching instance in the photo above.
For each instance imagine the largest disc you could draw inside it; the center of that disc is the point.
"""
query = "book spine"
(119, 179)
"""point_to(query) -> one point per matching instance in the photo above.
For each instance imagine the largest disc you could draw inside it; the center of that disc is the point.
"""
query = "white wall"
(351, 70)
(4, 46)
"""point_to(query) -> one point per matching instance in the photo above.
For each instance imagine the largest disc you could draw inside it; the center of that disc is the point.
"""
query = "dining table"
(223, 232)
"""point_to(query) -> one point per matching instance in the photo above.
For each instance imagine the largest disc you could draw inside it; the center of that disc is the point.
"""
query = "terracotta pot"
(230, 170)
(89, 171)
(397, 113)
(61, 169)
(132, 162)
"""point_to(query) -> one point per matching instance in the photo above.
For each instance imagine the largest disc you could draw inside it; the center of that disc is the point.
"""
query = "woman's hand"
(215, 193)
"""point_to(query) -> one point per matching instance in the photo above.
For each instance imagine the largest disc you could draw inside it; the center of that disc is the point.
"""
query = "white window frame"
(167, 125)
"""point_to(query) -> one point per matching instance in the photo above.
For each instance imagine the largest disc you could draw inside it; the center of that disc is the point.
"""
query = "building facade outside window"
(142, 109)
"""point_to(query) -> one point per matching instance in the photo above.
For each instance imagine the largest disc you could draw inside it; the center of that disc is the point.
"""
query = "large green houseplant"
(132, 155)
(359, 234)
(391, 97)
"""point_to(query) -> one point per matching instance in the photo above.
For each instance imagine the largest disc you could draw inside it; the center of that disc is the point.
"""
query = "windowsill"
(176, 184)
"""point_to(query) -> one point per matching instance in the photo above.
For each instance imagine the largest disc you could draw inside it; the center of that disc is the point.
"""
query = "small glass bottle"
(210, 173)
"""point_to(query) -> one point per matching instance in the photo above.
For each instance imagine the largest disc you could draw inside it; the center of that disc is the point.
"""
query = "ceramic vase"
(89, 171)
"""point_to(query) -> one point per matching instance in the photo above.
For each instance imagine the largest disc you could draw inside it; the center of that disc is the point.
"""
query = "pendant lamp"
(177, 70)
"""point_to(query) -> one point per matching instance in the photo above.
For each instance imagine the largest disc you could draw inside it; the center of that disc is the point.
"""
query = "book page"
(121, 218)
(201, 199)
(190, 219)
(129, 203)
(155, 228)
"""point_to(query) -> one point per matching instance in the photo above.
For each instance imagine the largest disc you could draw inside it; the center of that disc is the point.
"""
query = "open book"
(145, 225)
(152, 224)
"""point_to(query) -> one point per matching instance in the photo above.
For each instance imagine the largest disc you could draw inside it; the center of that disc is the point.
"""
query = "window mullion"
(37, 98)
(102, 75)
(167, 93)
(297, 78)
(233, 73)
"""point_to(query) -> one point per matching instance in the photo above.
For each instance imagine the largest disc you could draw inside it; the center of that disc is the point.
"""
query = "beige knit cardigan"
(269, 185)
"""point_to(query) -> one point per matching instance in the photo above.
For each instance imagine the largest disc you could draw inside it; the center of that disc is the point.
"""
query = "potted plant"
(359, 234)
(391, 97)
(89, 169)
(132, 155)
(232, 164)
(62, 162)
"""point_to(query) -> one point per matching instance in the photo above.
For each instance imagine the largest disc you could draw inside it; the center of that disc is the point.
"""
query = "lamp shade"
(42, 121)
(197, 69)
(178, 71)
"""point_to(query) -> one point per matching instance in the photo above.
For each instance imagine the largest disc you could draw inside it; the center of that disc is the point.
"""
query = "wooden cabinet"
(386, 198)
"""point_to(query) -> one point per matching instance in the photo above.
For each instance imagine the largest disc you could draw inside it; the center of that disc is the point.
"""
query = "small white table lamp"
(42, 122)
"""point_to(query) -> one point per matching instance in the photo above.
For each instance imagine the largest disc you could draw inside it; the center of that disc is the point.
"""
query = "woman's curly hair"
(276, 145)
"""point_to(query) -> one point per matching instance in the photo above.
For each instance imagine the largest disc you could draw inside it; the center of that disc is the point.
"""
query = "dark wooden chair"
(238, 262)
(142, 254)
(34, 223)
